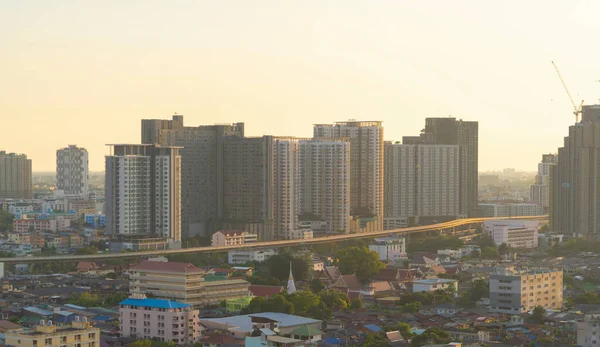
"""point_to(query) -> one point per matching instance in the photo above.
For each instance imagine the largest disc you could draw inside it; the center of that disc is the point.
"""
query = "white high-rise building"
(285, 185)
(72, 171)
(366, 163)
(540, 191)
(143, 191)
(324, 182)
(421, 180)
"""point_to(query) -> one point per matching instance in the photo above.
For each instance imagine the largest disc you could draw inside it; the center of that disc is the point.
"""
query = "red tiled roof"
(347, 281)
(86, 265)
(166, 266)
(438, 269)
(380, 286)
(452, 270)
(265, 291)
(392, 274)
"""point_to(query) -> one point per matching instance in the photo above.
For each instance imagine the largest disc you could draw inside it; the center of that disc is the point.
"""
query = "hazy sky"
(85, 73)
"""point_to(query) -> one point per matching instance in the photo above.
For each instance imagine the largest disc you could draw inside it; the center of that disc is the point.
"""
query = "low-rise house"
(447, 308)
(433, 284)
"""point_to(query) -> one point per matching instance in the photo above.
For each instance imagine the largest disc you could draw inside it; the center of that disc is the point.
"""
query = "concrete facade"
(78, 333)
(366, 162)
(518, 291)
(389, 248)
(202, 167)
(15, 176)
(72, 172)
(160, 319)
(232, 237)
(143, 191)
(514, 233)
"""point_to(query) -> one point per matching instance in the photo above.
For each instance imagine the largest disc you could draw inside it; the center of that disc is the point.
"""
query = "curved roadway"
(264, 244)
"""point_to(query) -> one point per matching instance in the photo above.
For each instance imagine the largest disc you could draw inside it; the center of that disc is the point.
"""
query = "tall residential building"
(201, 165)
(540, 191)
(160, 319)
(143, 191)
(421, 180)
(521, 290)
(324, 182)
(366, 162)
(79, 333)
(183, 282)
(15, 176)
(449, 131)
(575, 179)
(72, 172)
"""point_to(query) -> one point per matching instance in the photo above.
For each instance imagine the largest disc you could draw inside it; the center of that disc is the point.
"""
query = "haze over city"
(86, 75)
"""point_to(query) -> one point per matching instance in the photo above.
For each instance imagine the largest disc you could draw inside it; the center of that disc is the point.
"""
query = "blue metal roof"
(154, 303)
(333, 341)
(64, 313)
(374, 328)
(39, 311)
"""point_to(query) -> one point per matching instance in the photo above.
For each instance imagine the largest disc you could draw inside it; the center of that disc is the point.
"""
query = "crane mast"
(576, 110)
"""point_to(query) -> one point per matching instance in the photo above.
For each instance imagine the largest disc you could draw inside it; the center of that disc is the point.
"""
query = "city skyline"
(217, 63)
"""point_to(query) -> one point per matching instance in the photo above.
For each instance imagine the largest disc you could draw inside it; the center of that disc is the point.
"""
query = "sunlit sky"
(85, 73)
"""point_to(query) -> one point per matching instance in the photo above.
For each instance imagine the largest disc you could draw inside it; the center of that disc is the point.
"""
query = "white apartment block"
(160, 319)
(516, 291)
(421, 180)
(143, 191)
(366, 161)
(514, 233)
(243, 256)
(588, 331)
(232, 238)
(285, 185)
(324, 182)
(72, 171)
(389, 248)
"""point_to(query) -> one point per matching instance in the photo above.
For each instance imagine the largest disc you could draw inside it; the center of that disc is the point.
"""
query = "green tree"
(316, 285)
(544, 228)
(85, 299)
(141, 343)
(503, 249)
(412, 307)
(87, 250)
(276, 303)
(6, 220)
(432, 244)
(403, 328)
(538, 314)
(114, 299)
(484, 240)
(302, 300)
(489, 252)
(359, 260)
(279, 267)
(375, 340)
(335, 300)
(356, 304)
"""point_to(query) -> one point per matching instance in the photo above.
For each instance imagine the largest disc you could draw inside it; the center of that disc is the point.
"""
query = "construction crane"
(576, 110)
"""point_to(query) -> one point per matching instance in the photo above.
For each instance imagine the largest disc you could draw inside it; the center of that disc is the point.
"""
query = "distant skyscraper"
(143, 191)
(15, 176)
(575, 180)
(366, 162)
(324, 182)
(202, 167)
(422, 180)
(72, 170)
(540, 191)
(449, 131)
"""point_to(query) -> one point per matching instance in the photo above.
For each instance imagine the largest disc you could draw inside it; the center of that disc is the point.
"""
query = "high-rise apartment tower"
(15, 176)
(201, 165)
(366, 162)
(143, 191)
(72, 171)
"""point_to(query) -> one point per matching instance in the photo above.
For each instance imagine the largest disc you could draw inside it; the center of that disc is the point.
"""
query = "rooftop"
(434, 281)
(244, 322)
(153, 303)
(167, 267)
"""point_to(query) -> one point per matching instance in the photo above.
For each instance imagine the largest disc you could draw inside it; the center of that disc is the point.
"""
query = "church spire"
(291, 286)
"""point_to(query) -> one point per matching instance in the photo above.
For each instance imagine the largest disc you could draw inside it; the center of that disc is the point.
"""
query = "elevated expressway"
(440, 227)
